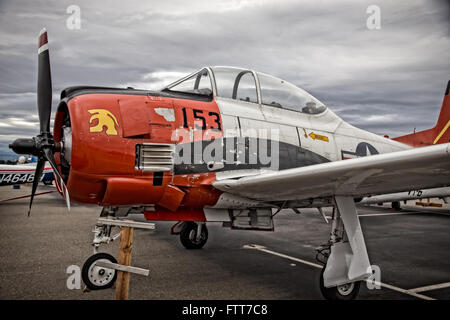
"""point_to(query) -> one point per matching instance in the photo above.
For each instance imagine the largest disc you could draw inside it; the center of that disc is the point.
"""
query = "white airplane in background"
(395, 198)
(23, 173)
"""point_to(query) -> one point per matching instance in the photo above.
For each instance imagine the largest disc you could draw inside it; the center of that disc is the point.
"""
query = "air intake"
(154, 157)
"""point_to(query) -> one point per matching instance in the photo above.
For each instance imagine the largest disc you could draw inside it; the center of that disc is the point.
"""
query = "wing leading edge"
(426, 167)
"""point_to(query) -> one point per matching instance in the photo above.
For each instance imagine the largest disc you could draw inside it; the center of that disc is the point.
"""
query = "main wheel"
(188, 236)
(98, 278)
(347, 291)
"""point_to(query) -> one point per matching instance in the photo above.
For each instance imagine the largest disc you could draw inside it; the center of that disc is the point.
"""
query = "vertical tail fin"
(442, 126)
(437, 135)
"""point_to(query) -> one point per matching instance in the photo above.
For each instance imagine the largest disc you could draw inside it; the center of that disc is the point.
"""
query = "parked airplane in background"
(395, 198)
(226, 145)
(23, 173)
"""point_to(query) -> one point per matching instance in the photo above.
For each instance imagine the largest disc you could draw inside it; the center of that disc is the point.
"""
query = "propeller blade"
(60, 182)
(44, 87)
(43, 145)
(37, 177)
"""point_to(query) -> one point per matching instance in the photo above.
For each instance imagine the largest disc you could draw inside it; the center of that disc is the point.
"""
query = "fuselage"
(165, 148)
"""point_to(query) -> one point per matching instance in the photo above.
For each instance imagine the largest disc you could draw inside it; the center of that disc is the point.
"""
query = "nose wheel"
(194, 235)
(96, 277)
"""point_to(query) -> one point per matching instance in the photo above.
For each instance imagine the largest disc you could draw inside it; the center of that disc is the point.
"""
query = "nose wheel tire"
(188, 236)
(348, 291)
(98, 278)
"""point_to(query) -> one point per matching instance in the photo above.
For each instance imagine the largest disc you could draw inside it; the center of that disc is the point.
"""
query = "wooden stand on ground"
(123, 278)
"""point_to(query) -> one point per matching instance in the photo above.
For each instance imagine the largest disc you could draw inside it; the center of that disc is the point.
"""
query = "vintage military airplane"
(226, 145)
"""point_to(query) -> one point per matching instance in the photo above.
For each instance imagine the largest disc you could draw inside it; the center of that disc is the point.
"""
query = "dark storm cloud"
(387, 81)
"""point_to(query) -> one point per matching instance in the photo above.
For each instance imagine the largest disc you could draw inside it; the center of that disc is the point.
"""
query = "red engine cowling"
(101, 134)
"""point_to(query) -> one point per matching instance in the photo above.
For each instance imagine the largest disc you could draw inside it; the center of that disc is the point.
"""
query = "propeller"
(43, 146)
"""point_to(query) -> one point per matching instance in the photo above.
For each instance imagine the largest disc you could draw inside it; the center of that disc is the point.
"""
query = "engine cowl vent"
(154, 157)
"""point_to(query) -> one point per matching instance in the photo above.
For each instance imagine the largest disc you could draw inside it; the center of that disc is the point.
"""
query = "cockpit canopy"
(247, 86)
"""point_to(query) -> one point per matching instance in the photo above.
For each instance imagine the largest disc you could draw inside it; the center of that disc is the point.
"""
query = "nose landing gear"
(101, 270)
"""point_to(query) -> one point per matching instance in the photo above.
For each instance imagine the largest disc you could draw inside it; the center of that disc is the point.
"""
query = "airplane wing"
(426, 167)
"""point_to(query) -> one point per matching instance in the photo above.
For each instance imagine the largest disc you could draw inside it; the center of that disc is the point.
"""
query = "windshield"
(198, 83)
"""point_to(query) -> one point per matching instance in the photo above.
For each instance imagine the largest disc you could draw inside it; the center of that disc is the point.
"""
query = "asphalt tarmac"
(411, 247)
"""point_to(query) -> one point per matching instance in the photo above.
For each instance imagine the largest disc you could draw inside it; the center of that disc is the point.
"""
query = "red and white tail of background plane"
(437, 135)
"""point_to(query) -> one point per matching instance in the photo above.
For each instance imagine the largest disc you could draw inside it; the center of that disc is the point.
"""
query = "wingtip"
(448, 88)
(43, 30)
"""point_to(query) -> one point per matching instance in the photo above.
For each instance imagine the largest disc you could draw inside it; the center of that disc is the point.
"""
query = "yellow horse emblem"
(105, 119)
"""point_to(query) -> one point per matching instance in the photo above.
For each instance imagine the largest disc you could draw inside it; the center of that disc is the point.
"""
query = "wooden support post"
(123, 278)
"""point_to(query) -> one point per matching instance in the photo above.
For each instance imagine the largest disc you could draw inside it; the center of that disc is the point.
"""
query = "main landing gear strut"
(344, 257)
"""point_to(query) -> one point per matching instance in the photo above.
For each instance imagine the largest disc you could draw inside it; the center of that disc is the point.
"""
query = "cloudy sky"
(388, 80)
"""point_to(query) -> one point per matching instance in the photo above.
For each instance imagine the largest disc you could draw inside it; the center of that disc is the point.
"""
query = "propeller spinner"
(43, 146)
